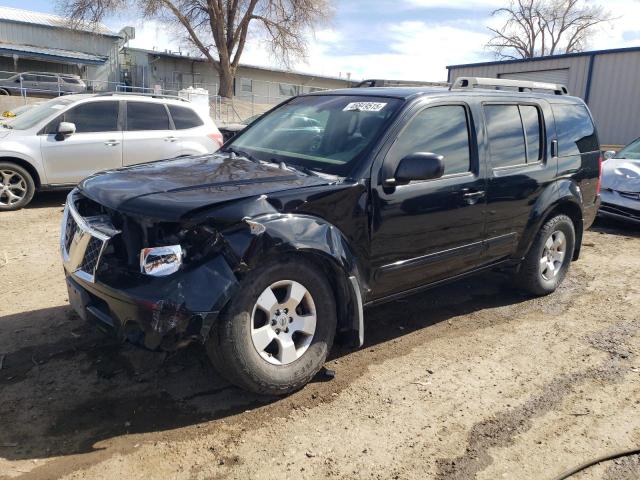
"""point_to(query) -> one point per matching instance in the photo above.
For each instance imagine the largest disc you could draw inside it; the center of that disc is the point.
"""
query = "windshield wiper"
(240, 153)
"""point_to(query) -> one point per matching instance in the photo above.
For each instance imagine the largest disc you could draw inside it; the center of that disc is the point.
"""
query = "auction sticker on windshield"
(364, 107)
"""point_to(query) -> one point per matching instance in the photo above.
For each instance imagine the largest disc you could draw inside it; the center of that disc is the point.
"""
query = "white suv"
(62, 141)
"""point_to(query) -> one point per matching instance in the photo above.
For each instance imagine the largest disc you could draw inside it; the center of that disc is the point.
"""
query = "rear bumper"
(164, 312)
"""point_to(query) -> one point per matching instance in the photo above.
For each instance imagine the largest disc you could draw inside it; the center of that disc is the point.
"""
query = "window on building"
(246, 85)
(442, 130)
(184, 117)
(89, 117)
(147, 116)
(288, 90)
(575, 130)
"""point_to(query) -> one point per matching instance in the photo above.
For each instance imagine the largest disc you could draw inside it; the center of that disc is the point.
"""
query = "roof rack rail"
(150, 95)
(462, 83)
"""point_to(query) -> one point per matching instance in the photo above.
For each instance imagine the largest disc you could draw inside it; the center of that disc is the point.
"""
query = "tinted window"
(147, 116)
(631, 151)
(440, 130)
(506, 137)
(89, 117)
(575, 130)
(532, 128)
(29, 78)
(184, 117)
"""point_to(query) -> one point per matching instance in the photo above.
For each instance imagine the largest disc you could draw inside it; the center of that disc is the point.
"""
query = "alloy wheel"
(283, 322)
(555, 249)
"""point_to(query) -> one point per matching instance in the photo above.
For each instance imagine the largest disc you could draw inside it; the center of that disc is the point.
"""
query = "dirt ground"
(470, 380)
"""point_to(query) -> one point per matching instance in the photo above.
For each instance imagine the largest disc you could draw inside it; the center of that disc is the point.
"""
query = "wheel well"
(572, 211)
(27, 166)
(341, 287)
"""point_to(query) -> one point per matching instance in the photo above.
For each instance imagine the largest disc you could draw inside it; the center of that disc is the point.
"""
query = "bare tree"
(534, 28)
(219, 29)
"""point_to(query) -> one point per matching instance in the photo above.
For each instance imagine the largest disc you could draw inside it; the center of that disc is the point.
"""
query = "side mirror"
(66, 128)
(418, 166)
(609, 154)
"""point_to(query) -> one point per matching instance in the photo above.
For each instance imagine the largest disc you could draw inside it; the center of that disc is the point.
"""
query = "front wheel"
(548, 259)
(276, 333)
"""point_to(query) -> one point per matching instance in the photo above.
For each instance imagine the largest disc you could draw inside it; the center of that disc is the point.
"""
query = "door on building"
(96, 144)
(148, 135)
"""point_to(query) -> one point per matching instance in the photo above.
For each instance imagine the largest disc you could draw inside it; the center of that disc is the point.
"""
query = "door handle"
(112, 143)
(472, 197)
(170, 139)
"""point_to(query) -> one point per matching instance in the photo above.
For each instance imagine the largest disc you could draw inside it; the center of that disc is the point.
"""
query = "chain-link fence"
(252, 97)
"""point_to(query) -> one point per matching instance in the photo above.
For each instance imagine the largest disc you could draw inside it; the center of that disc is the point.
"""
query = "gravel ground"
(470, 380)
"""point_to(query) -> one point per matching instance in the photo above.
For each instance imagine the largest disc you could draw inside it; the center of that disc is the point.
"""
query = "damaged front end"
(620, 195)
(162, 283)
(116, 282)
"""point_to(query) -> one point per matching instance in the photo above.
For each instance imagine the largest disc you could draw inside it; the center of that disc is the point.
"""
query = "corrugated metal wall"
(614, 97)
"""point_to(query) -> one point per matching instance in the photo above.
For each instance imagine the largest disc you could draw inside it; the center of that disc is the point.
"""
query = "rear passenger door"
(520, 168)
(149, 134)
(188, 130)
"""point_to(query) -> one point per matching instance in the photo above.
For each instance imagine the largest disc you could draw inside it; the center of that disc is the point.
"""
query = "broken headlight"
(161, 261)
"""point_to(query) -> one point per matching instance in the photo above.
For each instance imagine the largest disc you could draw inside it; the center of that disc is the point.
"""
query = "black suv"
(270, 247)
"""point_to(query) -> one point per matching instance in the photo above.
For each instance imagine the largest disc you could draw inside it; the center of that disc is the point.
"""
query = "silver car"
(62, 141)
(621, 184)
(42, 84)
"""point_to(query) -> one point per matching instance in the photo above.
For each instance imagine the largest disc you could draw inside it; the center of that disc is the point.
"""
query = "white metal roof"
(51, 54)
(18, 15)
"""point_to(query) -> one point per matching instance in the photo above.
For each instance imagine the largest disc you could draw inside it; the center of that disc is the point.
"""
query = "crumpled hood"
(621, 174)
(171, 189)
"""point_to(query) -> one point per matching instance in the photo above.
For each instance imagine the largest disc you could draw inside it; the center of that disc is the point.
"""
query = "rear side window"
(515, 134)
(442, 130)
(147, 116)
(89, 117)
(575, 130)
(184, 117)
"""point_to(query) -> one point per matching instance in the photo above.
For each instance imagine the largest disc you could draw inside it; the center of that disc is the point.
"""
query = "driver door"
(96, 144)
(428, 230)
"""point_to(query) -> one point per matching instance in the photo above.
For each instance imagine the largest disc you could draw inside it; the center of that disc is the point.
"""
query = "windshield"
(631, 151)
(38, 113)
(325, 133)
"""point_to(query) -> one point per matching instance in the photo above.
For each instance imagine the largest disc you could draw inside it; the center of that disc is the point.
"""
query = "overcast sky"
(400, 39)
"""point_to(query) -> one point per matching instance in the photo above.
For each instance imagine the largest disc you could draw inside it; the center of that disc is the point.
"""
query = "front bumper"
(620, 206)
(164, 312)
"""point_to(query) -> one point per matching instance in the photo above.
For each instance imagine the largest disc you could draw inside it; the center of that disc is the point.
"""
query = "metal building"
(33, 41)
(607, 80)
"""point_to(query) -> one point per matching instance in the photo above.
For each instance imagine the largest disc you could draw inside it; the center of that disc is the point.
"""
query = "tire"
(16, 187)
(235, 345)
(548, 259)
(5, 92)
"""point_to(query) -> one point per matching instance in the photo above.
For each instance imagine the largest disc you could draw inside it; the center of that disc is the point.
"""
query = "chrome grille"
(83, 239)
(91, 255)
(71, 227)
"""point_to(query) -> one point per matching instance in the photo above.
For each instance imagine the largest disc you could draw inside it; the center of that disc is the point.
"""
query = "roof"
(202, 59)
(17, 15)
(51, 54)
(548, 57)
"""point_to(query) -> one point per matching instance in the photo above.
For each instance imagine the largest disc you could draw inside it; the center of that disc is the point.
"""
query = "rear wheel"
(548, 259)
(16, 187)
(4, 91)
(277, 331)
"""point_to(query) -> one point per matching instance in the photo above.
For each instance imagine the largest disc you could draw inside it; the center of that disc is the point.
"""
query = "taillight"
(216, 137)
(599, 175)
